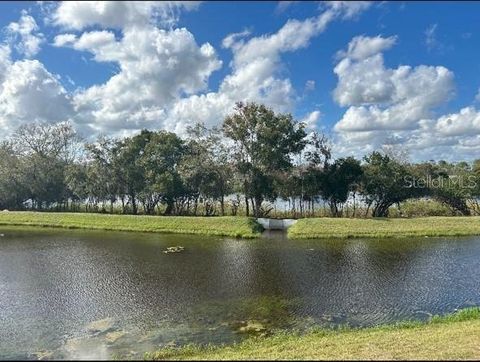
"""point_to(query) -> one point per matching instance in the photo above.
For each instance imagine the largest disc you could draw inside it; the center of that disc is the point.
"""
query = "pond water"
(89, 294)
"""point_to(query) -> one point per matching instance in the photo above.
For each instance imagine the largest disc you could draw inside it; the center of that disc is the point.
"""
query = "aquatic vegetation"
(222, 226)
(455, 336)
(314, 228)
(112, 337)
(252, 327)
(258, 316)
(43, 355)
(100, 326)
(174, 249)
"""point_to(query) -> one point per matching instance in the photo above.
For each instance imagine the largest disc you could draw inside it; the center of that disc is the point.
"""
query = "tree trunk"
(354, 205)
(381, 209)
(257, 208)
(169, 209)
(195, 206)
(134, 204)
(368, 209)
(334, 209)
(222, 205)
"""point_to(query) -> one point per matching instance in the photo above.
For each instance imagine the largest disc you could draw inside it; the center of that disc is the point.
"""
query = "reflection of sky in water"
(54, 283)
(236, 267)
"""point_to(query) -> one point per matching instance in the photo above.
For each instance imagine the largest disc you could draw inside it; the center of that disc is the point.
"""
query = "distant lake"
(90, 294)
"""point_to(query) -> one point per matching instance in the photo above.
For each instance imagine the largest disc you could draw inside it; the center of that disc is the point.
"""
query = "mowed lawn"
(237, 226)
(221, 226)
(314, 228)
(451, 338)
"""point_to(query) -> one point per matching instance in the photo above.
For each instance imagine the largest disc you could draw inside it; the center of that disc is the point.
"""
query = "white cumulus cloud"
(118, 14)
(361, 47)
(397, 106)
(255, 69)
(163, 73)
(311, 120)
(25, 35)
(28, 92)
(465, 122)
(157, 67)
(380, 98)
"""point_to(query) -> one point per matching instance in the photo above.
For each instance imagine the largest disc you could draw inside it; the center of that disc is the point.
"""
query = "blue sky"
(403, 75)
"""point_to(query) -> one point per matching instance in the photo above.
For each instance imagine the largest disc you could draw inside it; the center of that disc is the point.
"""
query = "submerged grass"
(382, 227)
(455, 336)
(221, 226)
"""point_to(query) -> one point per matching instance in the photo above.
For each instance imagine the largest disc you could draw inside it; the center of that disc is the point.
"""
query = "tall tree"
(385, 183)
(263, 144)
(46, 150)
(14, 189)
(162, 182)
(450, 184)
(205, 168)
(129, 152)
(338, 180)
(318, 153)
(105, 181)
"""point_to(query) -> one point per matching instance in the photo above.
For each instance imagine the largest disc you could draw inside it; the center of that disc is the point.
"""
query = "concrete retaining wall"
(276, 224)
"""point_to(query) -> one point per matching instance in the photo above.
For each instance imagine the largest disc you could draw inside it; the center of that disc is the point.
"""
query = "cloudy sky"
(366, 74)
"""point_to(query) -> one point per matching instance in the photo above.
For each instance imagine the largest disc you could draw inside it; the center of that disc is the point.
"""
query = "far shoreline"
(229, 226)
(247, 227)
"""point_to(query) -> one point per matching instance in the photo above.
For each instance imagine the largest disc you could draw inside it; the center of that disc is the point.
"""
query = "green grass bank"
(315, 228)
(453, 337)
(221, 226)
(239, 226)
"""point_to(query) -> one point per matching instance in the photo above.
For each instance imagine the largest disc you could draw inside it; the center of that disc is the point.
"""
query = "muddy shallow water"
(90, 294)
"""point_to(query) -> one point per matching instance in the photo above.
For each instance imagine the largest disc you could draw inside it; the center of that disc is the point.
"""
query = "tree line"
(254, 158)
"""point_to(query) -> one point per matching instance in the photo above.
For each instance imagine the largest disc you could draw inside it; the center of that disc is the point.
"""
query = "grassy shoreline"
(218, 226)
(319, 228)
(245, 227)
(455, 336)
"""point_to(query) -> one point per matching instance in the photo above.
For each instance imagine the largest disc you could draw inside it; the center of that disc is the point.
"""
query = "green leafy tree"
(338, 180)
(318, 154)
(46, 151)
(263, 145)
(385, 182)
(104, 176)
(450, 184)
(77, 182)
(129, 153)
(14, 191)
(160, 161)
(206, 169)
